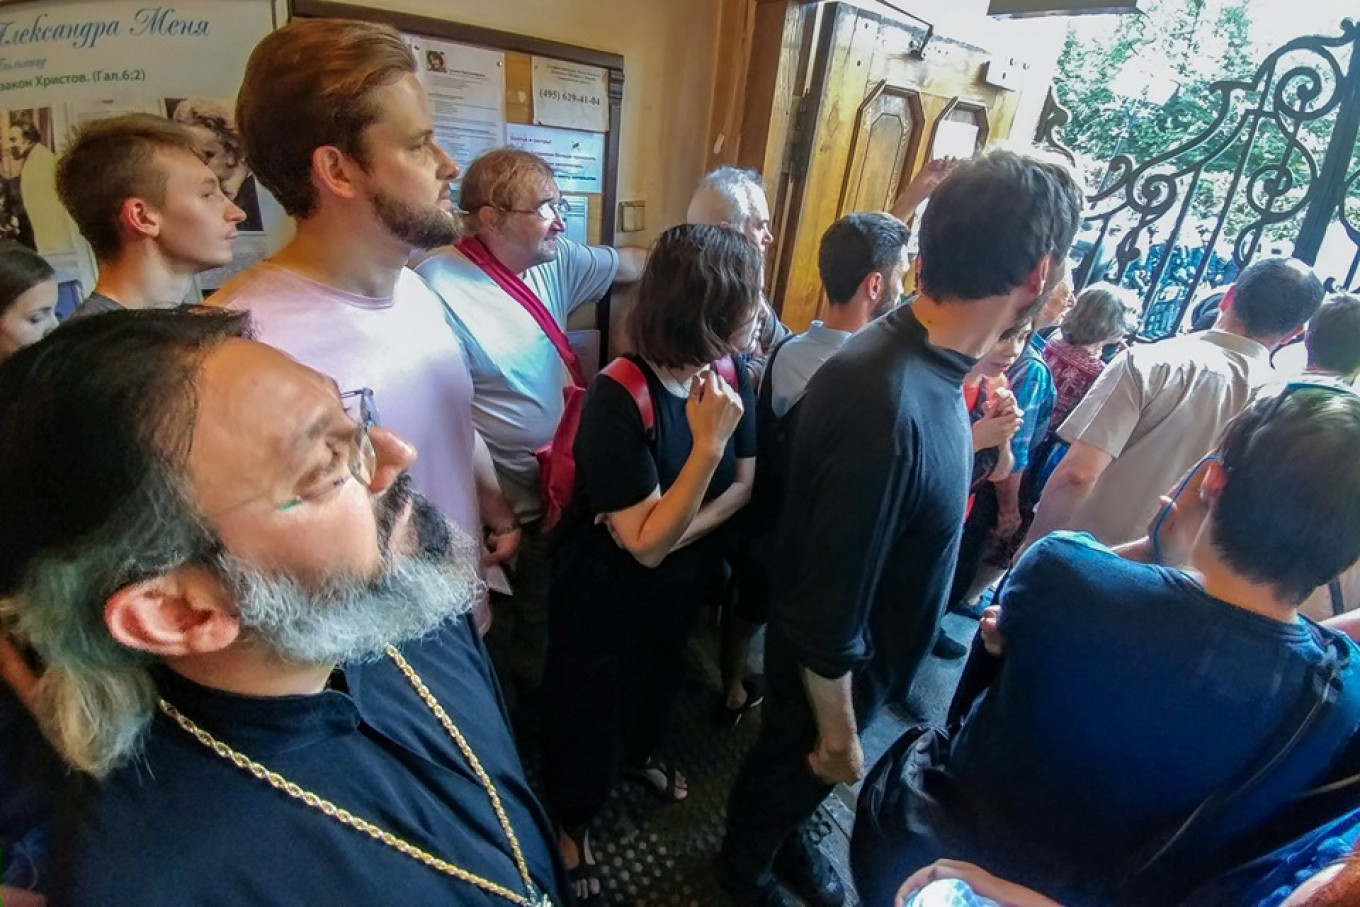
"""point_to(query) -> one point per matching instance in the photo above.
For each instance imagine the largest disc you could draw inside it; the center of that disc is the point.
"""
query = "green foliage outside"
(1140, 85)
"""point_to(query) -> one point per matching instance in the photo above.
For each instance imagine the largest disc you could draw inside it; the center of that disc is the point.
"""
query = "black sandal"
(665, 793)
(725, 715)
(585, 871)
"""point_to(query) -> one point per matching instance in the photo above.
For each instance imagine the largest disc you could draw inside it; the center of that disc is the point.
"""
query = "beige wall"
(669, 49)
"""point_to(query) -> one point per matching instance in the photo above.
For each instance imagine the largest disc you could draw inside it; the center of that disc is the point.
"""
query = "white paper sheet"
(570, 95)
(577, 216)
(466, 86)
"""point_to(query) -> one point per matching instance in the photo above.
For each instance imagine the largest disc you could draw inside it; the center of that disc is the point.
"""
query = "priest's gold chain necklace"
(532, 896)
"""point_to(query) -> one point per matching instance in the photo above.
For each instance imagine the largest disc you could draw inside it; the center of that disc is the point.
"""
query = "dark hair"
(109, 161)
(701, 283)
(1273, 296)
(856, 246)
(91, 417)
(1289, 512)
(28, 130)
(218, 120)
(1023, 326)
(21, 269)
(992, 220)
(1102, 312)
(310, 84)
(1333, 338)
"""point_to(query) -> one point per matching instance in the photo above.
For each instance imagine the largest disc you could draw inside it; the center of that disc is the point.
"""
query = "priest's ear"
(185, 611)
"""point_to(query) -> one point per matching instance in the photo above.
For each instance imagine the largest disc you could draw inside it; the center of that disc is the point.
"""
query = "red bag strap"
(727, 368)
(476, 252)
(626, 372)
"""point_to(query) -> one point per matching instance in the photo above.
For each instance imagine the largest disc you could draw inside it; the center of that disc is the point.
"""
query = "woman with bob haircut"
(1103, 314)
(635, 553)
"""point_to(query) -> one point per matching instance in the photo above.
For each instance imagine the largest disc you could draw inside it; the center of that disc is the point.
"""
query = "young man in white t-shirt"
(355, 162)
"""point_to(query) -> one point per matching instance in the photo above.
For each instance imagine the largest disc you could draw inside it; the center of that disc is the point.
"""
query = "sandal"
(587, 881)
(674, 789)
(725, 715)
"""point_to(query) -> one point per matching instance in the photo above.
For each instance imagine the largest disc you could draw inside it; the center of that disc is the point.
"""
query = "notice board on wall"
(66, 62)
(489, 88)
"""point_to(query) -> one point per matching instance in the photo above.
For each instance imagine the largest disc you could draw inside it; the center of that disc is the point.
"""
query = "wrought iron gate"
(1305, 194)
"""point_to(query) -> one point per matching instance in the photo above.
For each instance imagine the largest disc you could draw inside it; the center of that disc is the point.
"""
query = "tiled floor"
(661, 855)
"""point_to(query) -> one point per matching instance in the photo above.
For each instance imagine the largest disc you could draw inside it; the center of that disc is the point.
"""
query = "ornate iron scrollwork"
(1053, 117)
(1306, 80)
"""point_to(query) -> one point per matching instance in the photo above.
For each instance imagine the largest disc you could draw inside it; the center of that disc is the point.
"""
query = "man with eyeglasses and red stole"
(509, 285)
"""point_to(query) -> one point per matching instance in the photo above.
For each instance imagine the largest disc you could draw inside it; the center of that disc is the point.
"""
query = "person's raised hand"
(713, 410)
(994, 430)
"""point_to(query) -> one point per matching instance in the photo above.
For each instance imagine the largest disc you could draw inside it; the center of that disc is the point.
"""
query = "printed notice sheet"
(577, 158)
(570, 95)
(466, 86)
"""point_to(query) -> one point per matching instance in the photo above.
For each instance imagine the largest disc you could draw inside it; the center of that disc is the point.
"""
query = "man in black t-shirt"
(880, 462)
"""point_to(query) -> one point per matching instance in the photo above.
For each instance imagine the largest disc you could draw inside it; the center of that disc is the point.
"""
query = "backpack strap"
(765, 396)
(1321, 688)
(1338, 600)
(626, 372)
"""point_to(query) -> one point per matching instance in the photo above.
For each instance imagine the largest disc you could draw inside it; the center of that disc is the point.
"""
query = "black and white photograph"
(214, 121)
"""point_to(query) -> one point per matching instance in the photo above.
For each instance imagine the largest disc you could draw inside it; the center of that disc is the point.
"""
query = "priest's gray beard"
(353, 619)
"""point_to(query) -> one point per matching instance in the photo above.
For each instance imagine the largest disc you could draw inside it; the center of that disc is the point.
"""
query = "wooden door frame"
(772, 63)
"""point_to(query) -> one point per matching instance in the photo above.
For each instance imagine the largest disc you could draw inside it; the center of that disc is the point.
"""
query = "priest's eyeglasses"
(359, 457)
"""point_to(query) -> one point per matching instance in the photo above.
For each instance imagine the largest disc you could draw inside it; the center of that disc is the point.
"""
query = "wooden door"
(877, 107)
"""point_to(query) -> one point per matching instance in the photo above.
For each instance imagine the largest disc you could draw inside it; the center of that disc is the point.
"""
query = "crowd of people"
(290, 580)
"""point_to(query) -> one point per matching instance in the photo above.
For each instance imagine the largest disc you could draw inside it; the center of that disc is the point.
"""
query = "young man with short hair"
(337, 127)
(1133, 688)
(1333, 345)
(862, 260)
(152, 211)
(1333, 338)
(881, 459)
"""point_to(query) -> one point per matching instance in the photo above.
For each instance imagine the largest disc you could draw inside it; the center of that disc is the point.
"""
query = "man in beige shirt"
(1160, 407)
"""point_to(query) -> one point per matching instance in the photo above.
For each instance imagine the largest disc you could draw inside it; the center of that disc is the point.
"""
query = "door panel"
(871, 114)
(886, 131)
